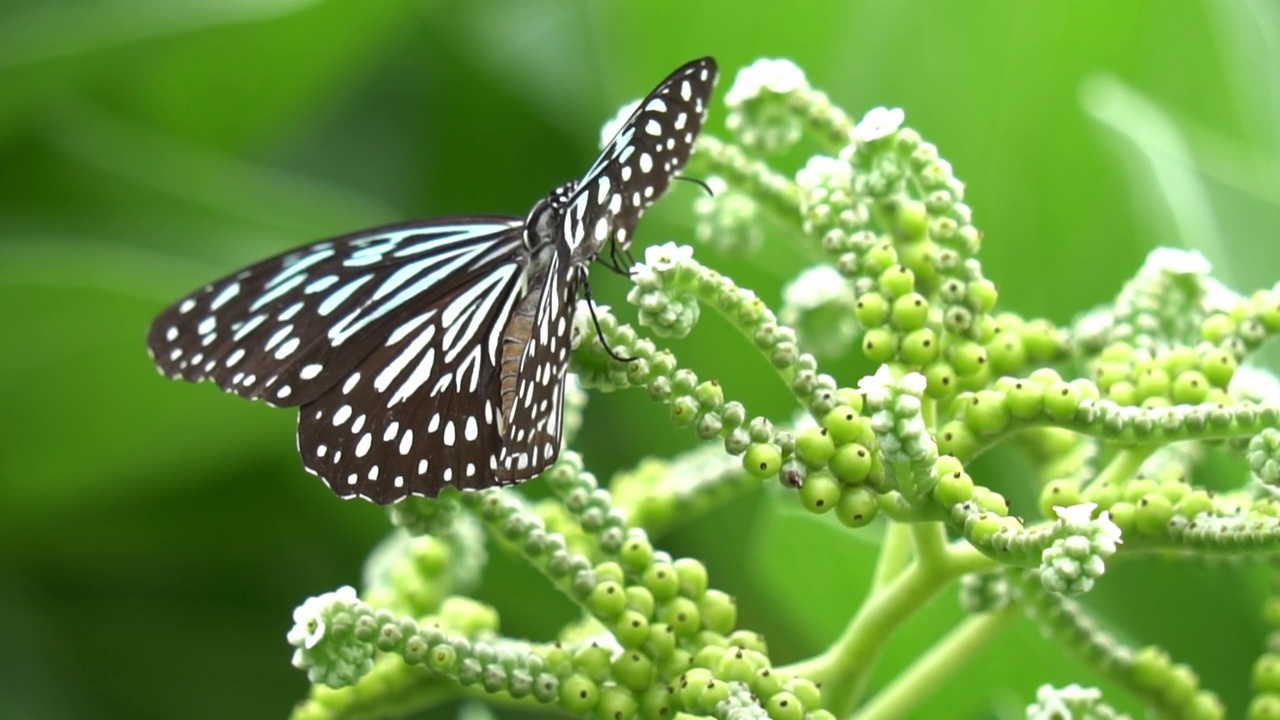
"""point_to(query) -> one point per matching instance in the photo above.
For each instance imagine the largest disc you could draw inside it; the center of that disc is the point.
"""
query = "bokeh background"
(154, 536)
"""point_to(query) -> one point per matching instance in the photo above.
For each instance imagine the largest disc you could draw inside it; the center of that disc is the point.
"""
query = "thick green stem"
(845, 667)
(894, 552)
(910, 688)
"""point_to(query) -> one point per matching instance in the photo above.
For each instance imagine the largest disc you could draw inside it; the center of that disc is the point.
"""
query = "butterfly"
(433, 354)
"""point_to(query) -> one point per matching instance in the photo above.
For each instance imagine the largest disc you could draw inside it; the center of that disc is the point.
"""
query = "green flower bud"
(986, 413)
(762, 460)
(820, 491)
(871, 310)
(814, 447)
(843, 424)
(857, 507)
(879, 345)
(919, 347)
(578, 694)
(784, 706)
(693, 577)
(661, 580)
(632, 670)
(897, 281)
(955, 438)
(1153, 513)
(1218, 366)
(719, 611)
(1058, 493)
(910, 312)
(640, 599)
(851, 463)
(682, 615)
(592, 661)
(631, 629)
(1061, 400)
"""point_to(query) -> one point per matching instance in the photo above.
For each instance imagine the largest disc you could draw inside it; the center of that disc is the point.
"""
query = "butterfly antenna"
(591, 306)
(697, 181)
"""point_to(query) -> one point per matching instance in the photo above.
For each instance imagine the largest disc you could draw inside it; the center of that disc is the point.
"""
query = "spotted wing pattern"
(638, 163)
(432, 354)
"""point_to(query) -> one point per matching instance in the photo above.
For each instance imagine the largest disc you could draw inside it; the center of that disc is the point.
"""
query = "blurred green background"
(154, 536)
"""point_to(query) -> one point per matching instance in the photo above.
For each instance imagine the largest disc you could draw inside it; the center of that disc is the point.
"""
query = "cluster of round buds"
(985, 592)
(1072, 701)
(760, 108)
(1246, 324)
(1264, 456)
(665, 307)
(728, 220)
(1077, 557)
(741, 687)
(1163, 304)
(841, 469)
(1180, 375)
(981, 513)
(819, 305)
(827, 201)
(336, 636)
(410, 574)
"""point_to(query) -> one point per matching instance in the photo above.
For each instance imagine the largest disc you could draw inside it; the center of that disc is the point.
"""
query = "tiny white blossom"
(666, 256)
(779, 76)
(612, 127)
(879, 122)
(1108, 530)
(815, 287)
(914, 383)
(1178, 261)
(1076, 516)
(878, 388)
(308, 618)
(822, 171)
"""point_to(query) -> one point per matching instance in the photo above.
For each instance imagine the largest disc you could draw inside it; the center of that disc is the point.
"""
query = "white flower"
(779, 76)
(1178, 262)
(823, 171)
(1076, 516)
(308, 618)
(914, 383)
(877, 123)
(1108, 530)
(878, 388)
(814, 288)
(612, 127)
(666, 256)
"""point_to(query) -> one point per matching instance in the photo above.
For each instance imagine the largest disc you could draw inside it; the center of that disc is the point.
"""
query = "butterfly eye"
(432, 354)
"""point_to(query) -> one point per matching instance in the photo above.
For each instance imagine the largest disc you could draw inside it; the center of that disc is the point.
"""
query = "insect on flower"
(432, 354)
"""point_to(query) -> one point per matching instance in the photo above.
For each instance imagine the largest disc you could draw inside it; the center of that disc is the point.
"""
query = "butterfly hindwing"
(420, 412)
(536, 357)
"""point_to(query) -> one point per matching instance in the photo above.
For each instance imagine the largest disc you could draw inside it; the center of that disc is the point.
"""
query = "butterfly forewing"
(638, 163)
(290, 327)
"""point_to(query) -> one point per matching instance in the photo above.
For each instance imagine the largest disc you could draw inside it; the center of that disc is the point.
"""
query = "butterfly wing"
(389, 339)
(421, 411)
(290, 327)
(638, 163)
(536, 348)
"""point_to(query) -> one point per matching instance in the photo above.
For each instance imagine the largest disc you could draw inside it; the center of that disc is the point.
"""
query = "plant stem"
(843, 669)
(893, 555)
(914, 684)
